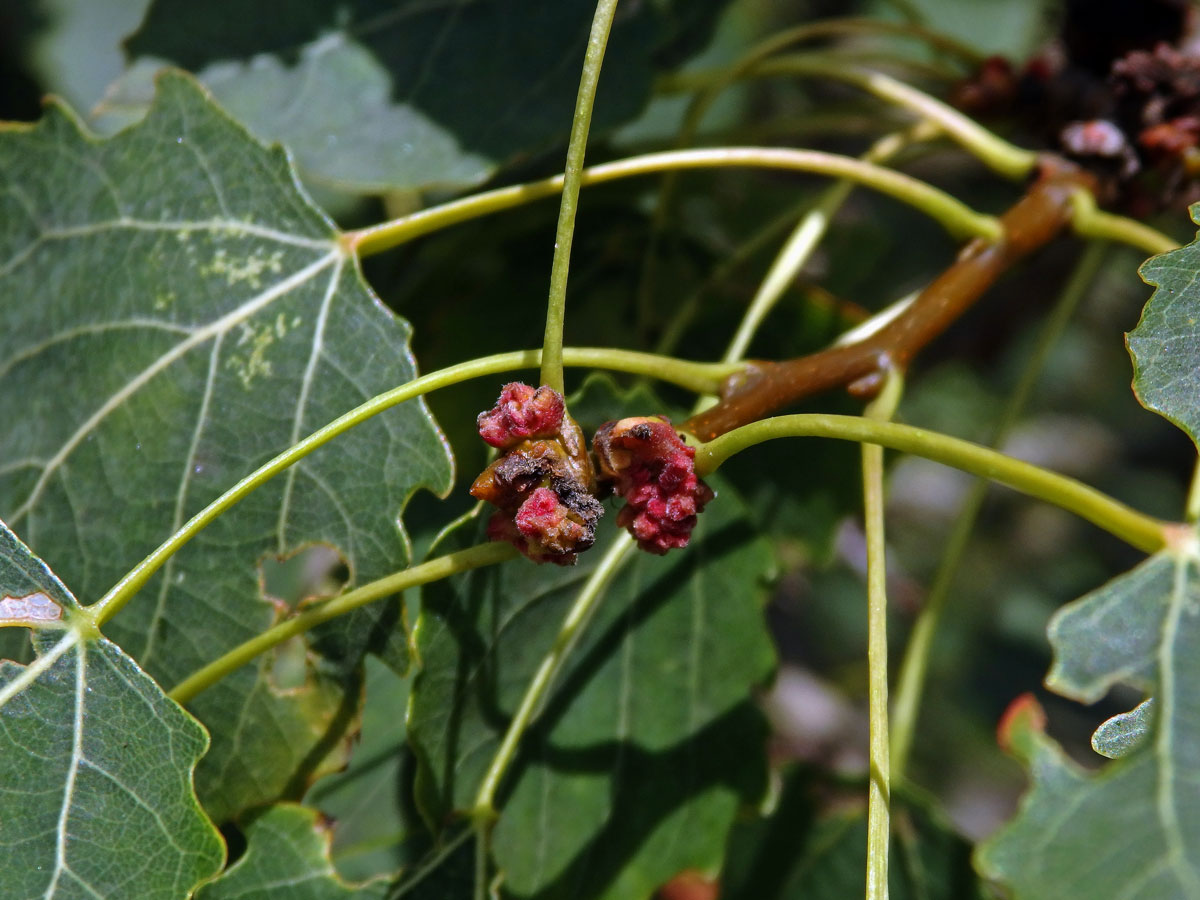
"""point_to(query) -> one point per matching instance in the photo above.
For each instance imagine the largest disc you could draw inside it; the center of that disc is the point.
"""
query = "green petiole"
(1135, 528)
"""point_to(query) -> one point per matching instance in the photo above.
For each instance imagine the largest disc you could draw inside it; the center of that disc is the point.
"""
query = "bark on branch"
(764, 387)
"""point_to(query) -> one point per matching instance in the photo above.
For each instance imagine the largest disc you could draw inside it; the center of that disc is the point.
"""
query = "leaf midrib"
(162, 363)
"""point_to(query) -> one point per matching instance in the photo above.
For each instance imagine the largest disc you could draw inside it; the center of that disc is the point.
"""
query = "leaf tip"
(1022, 723)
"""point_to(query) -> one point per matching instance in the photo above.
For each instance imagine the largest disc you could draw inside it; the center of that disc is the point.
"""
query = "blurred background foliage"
(681, 284)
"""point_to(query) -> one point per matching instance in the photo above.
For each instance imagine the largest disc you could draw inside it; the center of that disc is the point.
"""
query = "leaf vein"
(231, 227)
(220, 326)
(152, 627)
(85, 330)
(34, 670)
(60, 847)
(314, 356)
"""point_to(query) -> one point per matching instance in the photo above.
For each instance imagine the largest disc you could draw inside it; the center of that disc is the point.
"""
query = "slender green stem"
(577, 616)
(1135, 528)
(955, 216)
(1091, 222)
(552, 363)
(711, 83)
(998, 154)
(879, 789)
(716, 83)
(1193, 498)
(311, 617)
(911, 681)
(699, 377)
(804, 239)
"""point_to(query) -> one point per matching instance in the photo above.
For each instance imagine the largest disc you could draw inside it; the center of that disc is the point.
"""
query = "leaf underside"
(1165, 345)
(95, 765)
(177, 313)
(1133, 829)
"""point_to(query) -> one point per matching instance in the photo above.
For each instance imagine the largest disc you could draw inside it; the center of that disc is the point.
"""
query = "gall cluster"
(546, 486)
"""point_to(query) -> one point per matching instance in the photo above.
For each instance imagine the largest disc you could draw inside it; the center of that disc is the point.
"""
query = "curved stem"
(714, 84)
(1192, 508)
(1031, 223)
(1090, 222)
(699, 377)
(879, 790)
(552, 363)
(710, 84)
(1137, 529)
(311, 617)
(577, 616)
(910, 683)
(955, 216)
(998, 154)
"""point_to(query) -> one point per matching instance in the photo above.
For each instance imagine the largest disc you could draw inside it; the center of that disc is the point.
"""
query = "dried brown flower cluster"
(545, 487)
(543, 484)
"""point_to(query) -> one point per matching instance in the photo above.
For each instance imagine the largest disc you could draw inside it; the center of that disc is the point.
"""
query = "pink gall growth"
(542, 484)
(544, 528)
(654, 470)
(522, 412)
(547, 524)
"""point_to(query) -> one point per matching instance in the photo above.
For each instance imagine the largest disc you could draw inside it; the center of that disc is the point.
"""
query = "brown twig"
(764, 387)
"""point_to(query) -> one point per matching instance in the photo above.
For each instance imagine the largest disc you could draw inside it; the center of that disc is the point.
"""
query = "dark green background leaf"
(647, 747)
(176, 314)
(801, 851)
(376, 829)
(374, 95)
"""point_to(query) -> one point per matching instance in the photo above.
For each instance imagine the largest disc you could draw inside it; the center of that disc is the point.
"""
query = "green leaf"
(95, 762)
(647, 746)
(1133, 829)
(805, 852)
(1165, 346)
(179, 313)
(351, 136)
(1121, 734)
(376, 828)
(1114, 635)
(75, 45)
(410, 95)
(287, 855)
